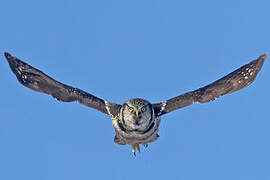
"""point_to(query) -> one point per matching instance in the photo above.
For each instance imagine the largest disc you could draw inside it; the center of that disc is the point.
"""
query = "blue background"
(122, 49)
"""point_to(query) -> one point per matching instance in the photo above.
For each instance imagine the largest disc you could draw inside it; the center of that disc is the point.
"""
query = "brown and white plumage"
(137, 120)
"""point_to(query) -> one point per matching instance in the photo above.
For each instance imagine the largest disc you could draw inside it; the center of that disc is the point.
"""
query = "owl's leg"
(138, 147)
(135, 147)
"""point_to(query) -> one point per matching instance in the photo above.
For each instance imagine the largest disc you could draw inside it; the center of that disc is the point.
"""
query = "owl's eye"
(142, 109)
(130, 109)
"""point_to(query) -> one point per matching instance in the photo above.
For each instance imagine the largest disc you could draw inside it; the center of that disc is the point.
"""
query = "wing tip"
(7, 55)
(260, 61)
(10, 58)
(262, 57)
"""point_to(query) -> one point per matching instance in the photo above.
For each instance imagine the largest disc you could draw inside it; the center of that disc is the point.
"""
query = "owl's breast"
(137, 135)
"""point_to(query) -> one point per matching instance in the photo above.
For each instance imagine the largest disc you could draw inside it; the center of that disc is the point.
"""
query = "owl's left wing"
(39, 81)
(234, 81)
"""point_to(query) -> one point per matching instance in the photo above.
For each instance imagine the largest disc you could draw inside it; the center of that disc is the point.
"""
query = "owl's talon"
(145, 145)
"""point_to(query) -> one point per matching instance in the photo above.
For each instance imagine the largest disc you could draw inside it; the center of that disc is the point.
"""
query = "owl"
(136, 121)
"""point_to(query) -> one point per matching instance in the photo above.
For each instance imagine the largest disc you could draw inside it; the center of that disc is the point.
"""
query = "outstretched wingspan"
(234, 81)
(38, 81)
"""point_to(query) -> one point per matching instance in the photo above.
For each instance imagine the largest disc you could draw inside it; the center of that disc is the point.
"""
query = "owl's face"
(137, 114)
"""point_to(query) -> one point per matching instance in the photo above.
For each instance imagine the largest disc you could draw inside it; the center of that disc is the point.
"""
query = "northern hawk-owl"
(136, 122)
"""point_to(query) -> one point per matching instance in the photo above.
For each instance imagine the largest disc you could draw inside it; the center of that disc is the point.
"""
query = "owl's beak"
(137, 113)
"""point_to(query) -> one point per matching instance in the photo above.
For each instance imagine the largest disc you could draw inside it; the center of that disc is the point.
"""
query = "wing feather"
(39, 81)
(234, 81)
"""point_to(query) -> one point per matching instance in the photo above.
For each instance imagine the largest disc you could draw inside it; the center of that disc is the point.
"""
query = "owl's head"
(137, 114)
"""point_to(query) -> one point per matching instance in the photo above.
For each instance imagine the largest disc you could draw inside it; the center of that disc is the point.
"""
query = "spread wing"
(234, 81)
(38, 81)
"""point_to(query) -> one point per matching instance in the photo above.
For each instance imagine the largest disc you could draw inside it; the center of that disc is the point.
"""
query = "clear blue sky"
(119, 50)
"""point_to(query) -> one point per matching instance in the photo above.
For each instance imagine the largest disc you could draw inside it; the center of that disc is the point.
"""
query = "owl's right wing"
(234, 81)
(38, 81)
